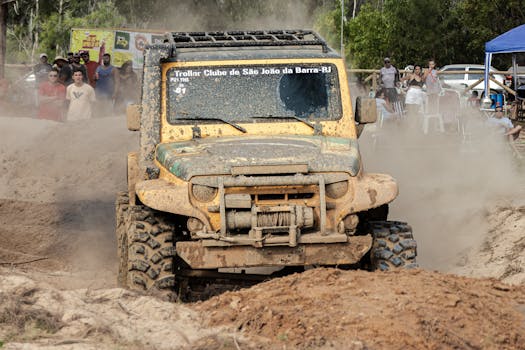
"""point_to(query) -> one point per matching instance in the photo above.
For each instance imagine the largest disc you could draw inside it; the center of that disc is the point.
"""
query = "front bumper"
(198, 256)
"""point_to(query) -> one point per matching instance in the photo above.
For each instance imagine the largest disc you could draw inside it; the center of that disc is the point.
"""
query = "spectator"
(51, 98)
(107, 78)
(502, 125)
(65, 74)
(433, 86)
(76, 65)
(41, 69)
(473, 100)
(389, 80)
(91, 67)
(128, 88)
(384, 108)
(81, 97)
(70, 57)
(415, 96)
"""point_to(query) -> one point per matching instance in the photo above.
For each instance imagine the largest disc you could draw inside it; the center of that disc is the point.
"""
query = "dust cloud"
(189, 16)
(68, 174)
(448, 183)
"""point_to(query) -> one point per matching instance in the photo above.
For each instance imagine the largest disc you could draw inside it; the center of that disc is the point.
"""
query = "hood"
(217, 156)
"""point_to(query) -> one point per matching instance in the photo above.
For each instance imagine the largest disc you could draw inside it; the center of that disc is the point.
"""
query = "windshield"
(247, 93)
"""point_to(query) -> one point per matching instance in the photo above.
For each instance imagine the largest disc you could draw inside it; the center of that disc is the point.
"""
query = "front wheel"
(394, 246)
(146, 247)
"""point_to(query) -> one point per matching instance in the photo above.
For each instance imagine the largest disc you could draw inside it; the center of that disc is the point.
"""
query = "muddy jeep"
(249, 165)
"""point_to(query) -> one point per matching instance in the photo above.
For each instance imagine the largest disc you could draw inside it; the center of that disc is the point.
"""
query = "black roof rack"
(247, 38)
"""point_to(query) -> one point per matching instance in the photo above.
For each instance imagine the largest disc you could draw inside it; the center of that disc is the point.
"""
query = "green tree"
(412, 31)
(483, 21)
(48, 29)
(56, 39)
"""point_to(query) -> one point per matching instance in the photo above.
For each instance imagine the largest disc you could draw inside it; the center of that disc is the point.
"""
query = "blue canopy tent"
(509, 42)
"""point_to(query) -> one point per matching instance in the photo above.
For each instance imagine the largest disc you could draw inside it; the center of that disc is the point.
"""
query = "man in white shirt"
(81, 97)
(503, 125)
(389, 80)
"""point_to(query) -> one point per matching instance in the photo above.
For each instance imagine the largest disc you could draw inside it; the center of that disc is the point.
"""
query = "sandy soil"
(58, 258)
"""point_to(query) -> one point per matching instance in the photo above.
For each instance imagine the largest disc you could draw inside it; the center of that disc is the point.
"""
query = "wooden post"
(3, 36)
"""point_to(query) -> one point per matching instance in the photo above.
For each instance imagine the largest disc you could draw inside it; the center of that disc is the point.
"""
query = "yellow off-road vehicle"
(249, 164)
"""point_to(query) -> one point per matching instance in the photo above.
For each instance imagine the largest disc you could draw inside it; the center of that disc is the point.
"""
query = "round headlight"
(204, 193)
(337, 189)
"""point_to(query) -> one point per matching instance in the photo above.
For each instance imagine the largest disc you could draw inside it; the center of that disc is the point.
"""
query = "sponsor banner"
(122, 45)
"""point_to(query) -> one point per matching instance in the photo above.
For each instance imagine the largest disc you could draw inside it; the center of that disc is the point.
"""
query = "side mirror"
(133, 116)
(365, 110)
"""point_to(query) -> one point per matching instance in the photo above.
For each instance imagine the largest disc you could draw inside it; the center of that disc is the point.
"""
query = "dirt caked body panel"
(252, 148)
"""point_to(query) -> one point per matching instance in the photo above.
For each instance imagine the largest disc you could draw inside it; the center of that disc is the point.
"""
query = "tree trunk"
(3, 36)
(58, 49)
(36, 30)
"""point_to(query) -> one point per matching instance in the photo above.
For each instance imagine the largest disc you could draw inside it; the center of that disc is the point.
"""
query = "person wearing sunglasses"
(504, 125)
(51, 98)
(389, 80)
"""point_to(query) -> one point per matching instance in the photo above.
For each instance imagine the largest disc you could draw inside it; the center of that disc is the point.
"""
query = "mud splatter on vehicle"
(249, 166)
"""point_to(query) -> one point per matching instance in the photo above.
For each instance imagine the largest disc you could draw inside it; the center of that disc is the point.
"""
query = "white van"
(461, 81)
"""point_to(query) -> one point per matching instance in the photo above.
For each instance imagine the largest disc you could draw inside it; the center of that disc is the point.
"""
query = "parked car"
(520, 73)
(24, 90)
(461, 81)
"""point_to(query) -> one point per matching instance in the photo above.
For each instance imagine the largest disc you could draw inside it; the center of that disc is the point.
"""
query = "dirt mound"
(318, 309)
(502, 252)
(327, 308)
(36, 316)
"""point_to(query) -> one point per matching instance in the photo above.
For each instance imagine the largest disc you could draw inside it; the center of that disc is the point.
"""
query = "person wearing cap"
(389, 80)
(76, 65)
(91, 67)
(41, 69)
(65, 74)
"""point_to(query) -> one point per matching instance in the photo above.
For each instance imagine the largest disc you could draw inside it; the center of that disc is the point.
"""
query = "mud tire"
(394, 246)
(121, 208)
(146, 249)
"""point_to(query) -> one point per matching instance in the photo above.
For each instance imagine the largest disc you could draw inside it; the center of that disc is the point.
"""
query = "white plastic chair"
(435, 114)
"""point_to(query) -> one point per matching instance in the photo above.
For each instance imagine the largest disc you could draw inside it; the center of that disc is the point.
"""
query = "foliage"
(408, 31)
(412, 31)
(367, 48)
(56, 38)
(53, 25)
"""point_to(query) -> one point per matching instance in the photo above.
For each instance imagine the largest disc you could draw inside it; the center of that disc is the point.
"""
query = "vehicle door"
(455, 81)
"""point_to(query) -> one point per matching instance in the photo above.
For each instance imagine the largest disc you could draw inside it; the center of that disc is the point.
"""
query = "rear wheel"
(394, 246)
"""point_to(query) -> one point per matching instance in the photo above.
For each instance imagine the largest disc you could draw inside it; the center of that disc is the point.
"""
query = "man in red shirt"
(91, 67)
(51, 98)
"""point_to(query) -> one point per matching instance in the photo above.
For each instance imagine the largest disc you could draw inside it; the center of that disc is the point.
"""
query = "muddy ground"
(58, 262)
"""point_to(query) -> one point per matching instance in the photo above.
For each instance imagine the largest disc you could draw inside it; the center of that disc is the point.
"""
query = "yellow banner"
(97, 40)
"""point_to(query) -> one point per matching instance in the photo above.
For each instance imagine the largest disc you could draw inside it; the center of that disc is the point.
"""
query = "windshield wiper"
(269, 116)
(238, 127)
